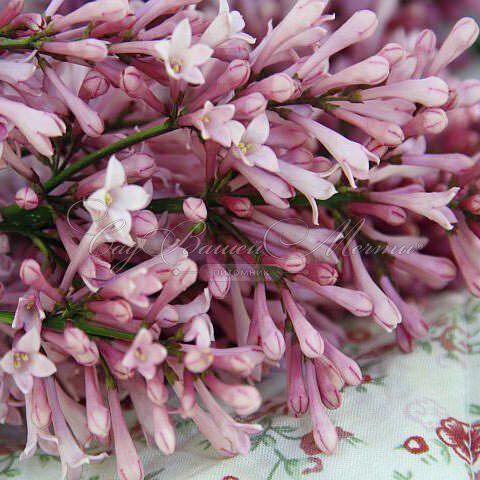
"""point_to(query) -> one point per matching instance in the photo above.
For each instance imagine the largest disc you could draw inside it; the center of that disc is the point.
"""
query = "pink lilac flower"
(24, 361)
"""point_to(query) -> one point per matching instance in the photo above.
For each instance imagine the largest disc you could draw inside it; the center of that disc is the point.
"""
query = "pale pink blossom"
(24, 362)
(144, 355)
(182, 60)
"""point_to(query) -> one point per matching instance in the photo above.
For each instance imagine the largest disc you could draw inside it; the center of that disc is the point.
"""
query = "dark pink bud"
(26, 198)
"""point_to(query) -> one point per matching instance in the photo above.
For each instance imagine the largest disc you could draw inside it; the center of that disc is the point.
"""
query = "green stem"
(174, 205)
(93, 157)
(59, 324)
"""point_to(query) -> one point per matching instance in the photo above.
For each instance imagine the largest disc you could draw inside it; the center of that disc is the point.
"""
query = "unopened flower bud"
(198, 360)
(90, 49)
(144, 224)
(81, 348)
(31, 275)
(279, 87)
(241, 206)
(250, 106)
(462, 37)
(26, 198)
(94, 85)
(430, 121)
(195, 209)
(118, 309)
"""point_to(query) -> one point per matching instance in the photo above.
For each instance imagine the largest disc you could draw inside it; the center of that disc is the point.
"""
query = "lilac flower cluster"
(187, 207)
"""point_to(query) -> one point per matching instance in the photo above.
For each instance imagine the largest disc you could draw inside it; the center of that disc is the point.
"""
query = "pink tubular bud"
(250, 106)
(164, 433)
(405, 341)
(134, 84)
(198, 360)
(393, 52)
(219, 279)
(144, 224)
(10, 10)
(324, 433)
(450, 162)
(90, 49)
(98, 416)
(89, 120)
(81, 348)
(234, 76)
(232, 49)
(472, 204)
(293, 262)
(195, 209)
(311, 342)
(431, 91)
(371, 71)
(94, 85)
(279, 87)
(100, 11)
(412, 320)
(468, 93)
(129, 465)
(461, 37)
(131, 81)
(244, 399)
(41, 412)
(271, 339)
(424, 49)
(240, 360)
(187, 400)
(329, 393)
(26, 198)
(119, 309)
(321, 273)
(430, 121)
(297, 393)
(31, 275)
(387, 133)
(157, 391)
(358, 27)
(389, 214)
(348, 368)
(241, 206)
(29, 21)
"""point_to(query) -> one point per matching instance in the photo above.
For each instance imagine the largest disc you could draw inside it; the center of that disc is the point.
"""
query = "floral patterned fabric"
(415, 417)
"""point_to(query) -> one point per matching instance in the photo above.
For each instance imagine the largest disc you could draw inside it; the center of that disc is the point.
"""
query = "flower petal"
(115, 176)
(181, 38)
(30, 342)
(41, 366)
(130, 197)
(257, 131)
(264, 157)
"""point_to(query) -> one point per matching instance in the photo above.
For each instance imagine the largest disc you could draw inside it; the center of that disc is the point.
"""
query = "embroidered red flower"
(456, 435)
(358, 335)
(307, 444)
(315, 469)
(230, 477)
(415, 445)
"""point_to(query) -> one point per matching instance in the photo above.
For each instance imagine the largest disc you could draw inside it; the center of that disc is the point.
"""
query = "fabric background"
(415, 417)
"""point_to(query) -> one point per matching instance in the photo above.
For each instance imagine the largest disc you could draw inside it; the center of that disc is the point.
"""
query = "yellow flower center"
(244, 147)
(108, 199)
(19, 358)
(176, 64)
(140, 355)
(29, 306)
(206, 119)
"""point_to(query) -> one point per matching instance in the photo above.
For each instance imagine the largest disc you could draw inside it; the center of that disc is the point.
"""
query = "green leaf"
(152, 475)
(268, 440)
(426, 346)
(284, 429)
